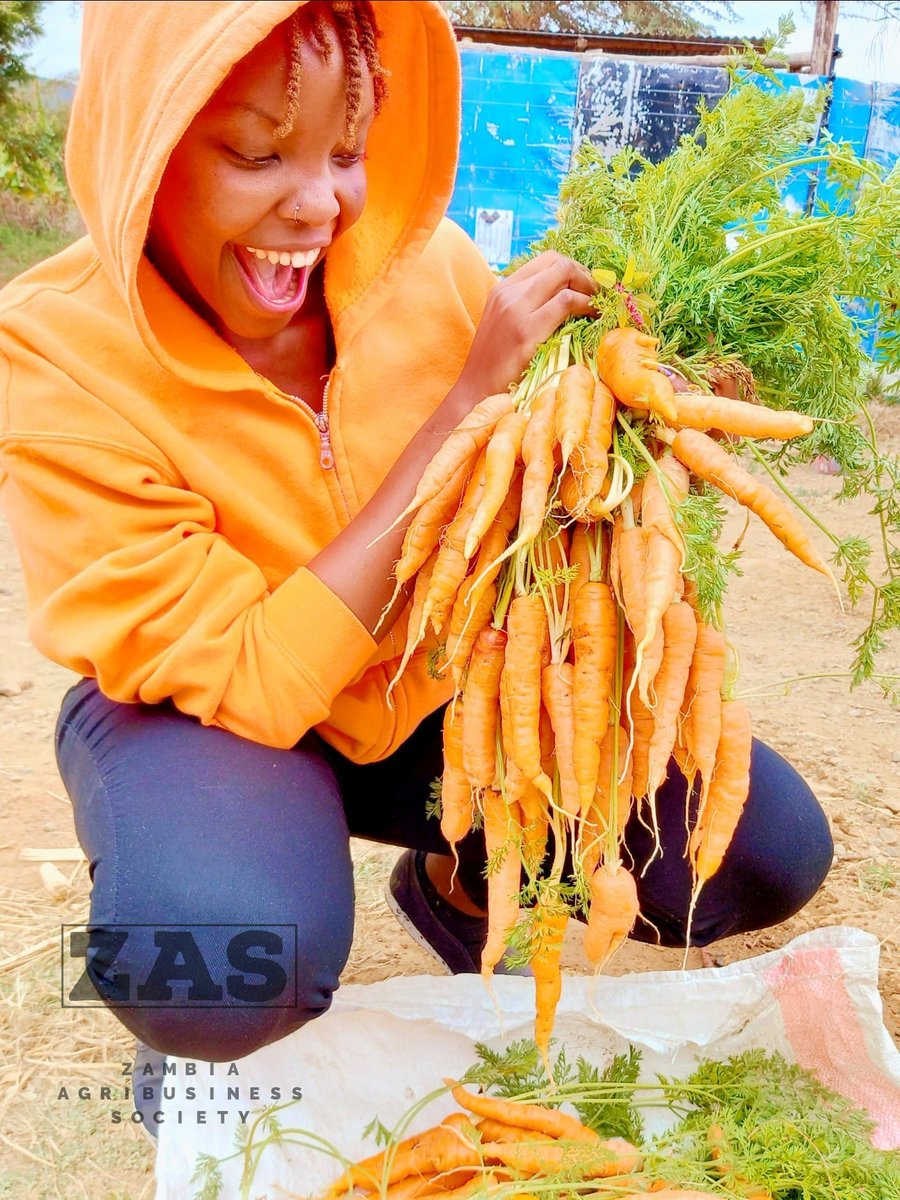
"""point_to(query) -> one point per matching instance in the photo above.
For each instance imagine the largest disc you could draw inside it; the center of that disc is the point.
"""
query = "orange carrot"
(456, 794)
(702, 723)
(451, 565)
(551, 921)
(590, 459)
(578, 557)
(550, 1121)
(699, 410)
(626, 360)
(492, 1130)
(461, 445)
(727, 793)
(594, 629)
(711, 462)
(526, 626)
(613, 912)
(501, 456)
(481, 698)
(537, 454)
(574, 400)
(624, 774)
(424, 532)
(607, 1158)
(477, 594)
(642, 733)
(665, 555)
(557, 693)
(503, 882)
(680, 637)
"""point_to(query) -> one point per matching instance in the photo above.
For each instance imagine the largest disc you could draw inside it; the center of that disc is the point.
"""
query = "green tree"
(20, 24)
(673, 18)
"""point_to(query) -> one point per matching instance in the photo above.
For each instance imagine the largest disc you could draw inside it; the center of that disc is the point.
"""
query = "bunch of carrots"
(493, 1144)
(555, 585)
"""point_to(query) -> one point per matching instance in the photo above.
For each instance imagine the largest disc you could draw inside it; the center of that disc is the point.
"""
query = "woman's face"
(242, 218)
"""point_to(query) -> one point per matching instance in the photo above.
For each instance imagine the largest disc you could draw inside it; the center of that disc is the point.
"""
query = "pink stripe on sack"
(827, 1038)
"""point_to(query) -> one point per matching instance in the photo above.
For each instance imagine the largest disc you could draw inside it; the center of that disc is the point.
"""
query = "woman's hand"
(522, 311)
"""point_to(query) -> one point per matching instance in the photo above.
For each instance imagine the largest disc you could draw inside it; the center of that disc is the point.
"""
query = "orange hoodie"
(164, 498)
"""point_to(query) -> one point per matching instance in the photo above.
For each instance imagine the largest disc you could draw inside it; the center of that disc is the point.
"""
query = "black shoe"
(452, 937)
(143, 1083)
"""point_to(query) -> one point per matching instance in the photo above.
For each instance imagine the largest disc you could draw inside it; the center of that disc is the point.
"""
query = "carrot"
(574, 399)
(590, 460)
(727, 793)
(501, 456)
(503, 882)
(415, 626)
(456, 793)
(441, 1149)
(665, 555)
(680, 638)
(594, 628)
(551, 926)
(557, 692)
(702, 723)
(641, 736)
(701, 410)
(537, 454)
(451, 565)
(424, 532)
(614, 909)
(580, 558)
(526, 625)
(461, 445)
(674, 1194)
(624, 774)
(550, 1121)
(711, 462)
(614, 1156)
(626, 360)
(481, 698)
(492, 1130)
(569, 495)
(477, 594)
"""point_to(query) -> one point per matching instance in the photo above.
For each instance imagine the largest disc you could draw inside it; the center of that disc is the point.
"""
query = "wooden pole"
(823, 36)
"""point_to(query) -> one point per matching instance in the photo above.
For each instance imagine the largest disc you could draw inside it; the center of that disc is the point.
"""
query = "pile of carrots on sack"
(555, 583)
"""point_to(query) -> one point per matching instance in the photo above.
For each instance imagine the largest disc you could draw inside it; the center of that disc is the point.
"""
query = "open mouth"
(276, 279)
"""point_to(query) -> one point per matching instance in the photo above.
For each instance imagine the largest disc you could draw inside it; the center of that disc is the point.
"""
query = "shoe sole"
(413, 932)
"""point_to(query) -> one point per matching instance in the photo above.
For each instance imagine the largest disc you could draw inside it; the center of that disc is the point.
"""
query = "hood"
(146, 70)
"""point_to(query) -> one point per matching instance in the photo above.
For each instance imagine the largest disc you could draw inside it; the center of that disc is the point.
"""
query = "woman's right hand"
(522, 311)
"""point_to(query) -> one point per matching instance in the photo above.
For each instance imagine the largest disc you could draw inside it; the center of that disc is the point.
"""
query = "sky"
(871, 49)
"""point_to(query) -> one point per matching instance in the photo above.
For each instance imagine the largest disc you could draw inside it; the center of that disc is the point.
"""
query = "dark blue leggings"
(190, 826)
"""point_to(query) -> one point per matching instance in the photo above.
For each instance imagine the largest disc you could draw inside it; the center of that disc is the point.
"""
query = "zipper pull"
(326, 456)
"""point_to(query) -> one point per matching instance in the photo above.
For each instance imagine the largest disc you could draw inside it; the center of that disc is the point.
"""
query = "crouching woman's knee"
(217, 993)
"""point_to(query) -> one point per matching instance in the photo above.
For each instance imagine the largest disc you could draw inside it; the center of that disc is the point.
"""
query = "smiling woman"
(213, 407)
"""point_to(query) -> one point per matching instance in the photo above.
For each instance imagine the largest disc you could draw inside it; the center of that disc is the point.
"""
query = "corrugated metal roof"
(612, 42)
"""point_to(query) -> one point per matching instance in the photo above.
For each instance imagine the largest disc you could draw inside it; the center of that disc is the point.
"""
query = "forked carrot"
(590, 460)
(626, 360)
(613, 912)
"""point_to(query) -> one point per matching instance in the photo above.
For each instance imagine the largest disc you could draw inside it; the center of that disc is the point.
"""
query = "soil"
(786, 623)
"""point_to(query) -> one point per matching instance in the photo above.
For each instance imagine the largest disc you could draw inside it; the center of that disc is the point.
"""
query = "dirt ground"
(786, 623)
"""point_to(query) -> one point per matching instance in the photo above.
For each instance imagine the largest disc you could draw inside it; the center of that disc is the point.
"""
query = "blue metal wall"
(524, 112)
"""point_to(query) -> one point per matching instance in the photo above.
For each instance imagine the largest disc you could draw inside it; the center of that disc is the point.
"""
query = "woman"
(214, 404)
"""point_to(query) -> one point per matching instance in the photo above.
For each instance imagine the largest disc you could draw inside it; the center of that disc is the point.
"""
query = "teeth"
(285, 258)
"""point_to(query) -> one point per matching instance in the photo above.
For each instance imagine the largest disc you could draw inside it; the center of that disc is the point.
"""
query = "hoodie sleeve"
(130, 582)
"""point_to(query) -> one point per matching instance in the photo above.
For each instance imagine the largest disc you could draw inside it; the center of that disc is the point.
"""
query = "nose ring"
(296, 217)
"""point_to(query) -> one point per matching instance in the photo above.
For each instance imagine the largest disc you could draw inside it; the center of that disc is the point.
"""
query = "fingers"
(548, 273)
(566, 303)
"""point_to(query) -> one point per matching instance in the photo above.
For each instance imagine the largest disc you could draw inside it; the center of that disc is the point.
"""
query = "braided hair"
(350, 24)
